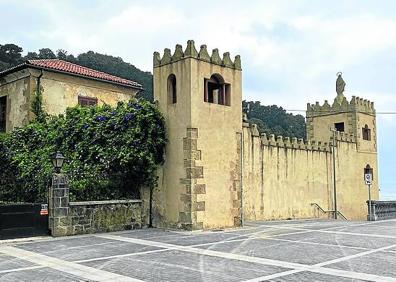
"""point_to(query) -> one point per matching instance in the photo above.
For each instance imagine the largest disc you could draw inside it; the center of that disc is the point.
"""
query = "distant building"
(62, 84)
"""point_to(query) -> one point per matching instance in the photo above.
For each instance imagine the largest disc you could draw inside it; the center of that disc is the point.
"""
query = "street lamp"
(57, 161)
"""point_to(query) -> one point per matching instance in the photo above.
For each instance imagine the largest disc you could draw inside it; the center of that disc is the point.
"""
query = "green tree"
(275, 120)
(10, 55)
(46, 53)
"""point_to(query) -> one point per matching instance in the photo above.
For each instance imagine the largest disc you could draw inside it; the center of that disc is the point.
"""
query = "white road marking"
(318, 268)
(203, 251)
(79, 270)
(294, 267)
(335, 232)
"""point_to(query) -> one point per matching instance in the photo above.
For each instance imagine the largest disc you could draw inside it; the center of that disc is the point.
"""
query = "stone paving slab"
(195, 239)
(305, 250)
(181, 266)
(96, 249)
(307, 276)
(8, 262)
(341, 239)
(42, 274)
(284, 251)
(381, 263)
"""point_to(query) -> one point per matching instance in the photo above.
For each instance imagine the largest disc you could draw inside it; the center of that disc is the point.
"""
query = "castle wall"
(283, 177)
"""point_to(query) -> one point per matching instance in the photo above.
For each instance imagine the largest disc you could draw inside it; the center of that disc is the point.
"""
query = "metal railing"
(330, 212)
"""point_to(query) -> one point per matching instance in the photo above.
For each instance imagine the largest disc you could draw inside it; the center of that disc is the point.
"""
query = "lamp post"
(57, 161)
(334, 172)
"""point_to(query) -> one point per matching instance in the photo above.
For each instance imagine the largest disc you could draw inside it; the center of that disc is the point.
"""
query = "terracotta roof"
(74, 69)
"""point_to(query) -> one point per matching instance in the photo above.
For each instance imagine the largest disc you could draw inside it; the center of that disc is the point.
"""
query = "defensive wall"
(283, 177)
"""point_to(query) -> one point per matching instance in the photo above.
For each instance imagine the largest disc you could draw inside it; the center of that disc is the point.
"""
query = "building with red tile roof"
(62, 84)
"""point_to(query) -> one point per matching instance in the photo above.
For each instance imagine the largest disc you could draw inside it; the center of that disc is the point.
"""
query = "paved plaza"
(261, 251)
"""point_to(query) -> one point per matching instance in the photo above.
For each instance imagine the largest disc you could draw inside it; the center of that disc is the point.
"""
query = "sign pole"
(369, 194)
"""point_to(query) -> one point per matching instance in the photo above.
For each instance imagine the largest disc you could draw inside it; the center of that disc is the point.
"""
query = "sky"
(291, 50)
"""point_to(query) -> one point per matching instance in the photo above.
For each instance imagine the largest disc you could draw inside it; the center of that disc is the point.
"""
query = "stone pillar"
(59, 221)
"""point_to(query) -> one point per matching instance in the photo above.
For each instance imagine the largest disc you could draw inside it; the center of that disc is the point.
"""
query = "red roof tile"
(67, 67)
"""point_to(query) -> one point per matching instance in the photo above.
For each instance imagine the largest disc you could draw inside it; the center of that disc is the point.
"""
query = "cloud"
(291, 50)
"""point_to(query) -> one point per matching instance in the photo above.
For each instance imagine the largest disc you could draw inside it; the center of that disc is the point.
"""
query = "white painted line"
(204, 251)
(318, 268)
(120, 256)
(355, 256)
(294, 267)
(79, 270)
(21, 269)
(325, 230)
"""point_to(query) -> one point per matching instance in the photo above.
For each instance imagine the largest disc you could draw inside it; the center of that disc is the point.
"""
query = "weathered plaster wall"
(17, 88)
(282, 177)
(61, 91)
(199, 183)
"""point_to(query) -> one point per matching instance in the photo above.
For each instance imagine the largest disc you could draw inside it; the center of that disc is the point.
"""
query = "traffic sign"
(368, 178)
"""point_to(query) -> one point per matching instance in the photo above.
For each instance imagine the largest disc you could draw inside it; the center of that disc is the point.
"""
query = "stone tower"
(200, 97)
(356, 118)
(356, 148)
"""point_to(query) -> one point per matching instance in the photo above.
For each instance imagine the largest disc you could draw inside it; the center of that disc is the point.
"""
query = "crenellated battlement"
(356, 104)
(191, 52)
(297, 143)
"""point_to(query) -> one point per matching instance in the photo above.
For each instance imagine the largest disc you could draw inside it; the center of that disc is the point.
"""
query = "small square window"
(87, 101)
(339, 126)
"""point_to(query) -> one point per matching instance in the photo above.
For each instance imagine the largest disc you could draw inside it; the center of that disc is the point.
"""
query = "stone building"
(62, 85)
(220, 171)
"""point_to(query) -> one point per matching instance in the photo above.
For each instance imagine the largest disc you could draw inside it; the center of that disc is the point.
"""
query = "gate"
(23, 220)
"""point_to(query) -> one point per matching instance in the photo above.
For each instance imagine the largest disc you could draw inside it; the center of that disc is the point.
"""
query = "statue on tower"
(340, 84)
(340, 87)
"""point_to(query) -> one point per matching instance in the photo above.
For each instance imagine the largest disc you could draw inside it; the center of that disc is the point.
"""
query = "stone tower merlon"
(355, 105)
(191, 52)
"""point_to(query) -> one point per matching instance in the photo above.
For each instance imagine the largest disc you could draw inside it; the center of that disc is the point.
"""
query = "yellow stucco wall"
(282, 179)
(60, 91)
(17, 88)
(199, 183)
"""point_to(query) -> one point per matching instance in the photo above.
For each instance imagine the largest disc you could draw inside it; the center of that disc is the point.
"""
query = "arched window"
(366, 133)
(369, 170)
(172, 94)
(217, 91)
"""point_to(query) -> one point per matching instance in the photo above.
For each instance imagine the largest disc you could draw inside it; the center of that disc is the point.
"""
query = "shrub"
(110, 152)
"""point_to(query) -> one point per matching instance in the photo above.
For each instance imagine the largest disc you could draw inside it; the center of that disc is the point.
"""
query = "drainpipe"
(39, 81)
(334, 174)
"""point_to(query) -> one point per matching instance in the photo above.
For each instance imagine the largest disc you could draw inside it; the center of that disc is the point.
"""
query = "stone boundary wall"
(382, 210)
(73, 218)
